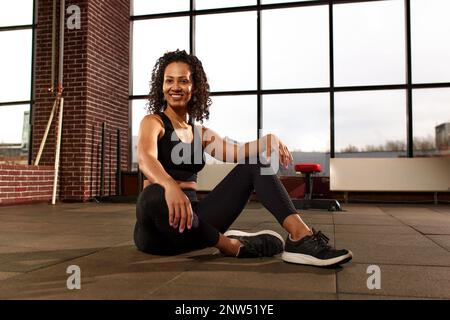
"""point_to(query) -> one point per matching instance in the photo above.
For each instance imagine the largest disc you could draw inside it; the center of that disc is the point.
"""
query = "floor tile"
(397, 281)
(407, 249)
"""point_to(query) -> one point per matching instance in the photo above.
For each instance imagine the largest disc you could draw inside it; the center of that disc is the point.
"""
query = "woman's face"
(177, 85)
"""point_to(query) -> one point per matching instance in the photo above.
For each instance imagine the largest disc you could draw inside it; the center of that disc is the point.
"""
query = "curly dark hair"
(198, 105)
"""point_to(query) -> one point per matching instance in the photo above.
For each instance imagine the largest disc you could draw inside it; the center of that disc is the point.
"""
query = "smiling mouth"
(176, 96)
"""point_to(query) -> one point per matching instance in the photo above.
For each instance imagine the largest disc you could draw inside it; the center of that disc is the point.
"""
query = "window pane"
(226, 45)
(302, 122)
(370, 124)
(430, 30)
(234, 117)
(151, 7)
(138, 112)
(295, 47)
(369, 43)
(210, 4)
(431, 121)
(17, 12)
(166, 35)
(14, 134)
(15, 65)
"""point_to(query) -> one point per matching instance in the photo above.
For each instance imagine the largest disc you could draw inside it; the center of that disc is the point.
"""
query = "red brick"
(96, 90)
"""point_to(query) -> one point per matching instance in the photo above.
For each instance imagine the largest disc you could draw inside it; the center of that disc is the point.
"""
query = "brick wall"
(96, 82)
(25, 184)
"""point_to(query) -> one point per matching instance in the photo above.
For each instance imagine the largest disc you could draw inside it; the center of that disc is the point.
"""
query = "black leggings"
(213, 214)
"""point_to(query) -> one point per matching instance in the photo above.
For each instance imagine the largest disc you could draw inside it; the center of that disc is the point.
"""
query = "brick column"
(96, 81)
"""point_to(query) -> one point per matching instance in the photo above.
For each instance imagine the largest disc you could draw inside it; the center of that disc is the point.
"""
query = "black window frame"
(409, 86)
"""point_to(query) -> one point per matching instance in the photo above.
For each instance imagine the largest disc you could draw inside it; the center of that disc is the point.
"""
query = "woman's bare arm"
(180, 210)
(227, 151)
(147, 151)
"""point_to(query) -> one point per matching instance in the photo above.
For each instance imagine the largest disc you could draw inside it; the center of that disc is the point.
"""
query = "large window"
(331, 79)
(16, 38)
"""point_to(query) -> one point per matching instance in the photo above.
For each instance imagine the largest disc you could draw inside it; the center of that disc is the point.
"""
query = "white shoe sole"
(299, 258)
(250, 234)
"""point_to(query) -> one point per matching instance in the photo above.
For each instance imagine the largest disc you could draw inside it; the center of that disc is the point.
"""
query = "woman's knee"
(151, 200)
(149, 241)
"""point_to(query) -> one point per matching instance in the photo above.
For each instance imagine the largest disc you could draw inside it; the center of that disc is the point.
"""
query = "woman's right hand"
(180, 209)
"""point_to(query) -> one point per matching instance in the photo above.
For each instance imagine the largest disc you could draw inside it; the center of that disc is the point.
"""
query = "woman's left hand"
(274, 143)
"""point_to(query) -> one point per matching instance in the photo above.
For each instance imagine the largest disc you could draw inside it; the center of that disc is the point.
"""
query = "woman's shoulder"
(155, 122)
(153, 119)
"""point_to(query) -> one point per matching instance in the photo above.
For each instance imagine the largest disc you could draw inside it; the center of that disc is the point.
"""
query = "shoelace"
(320, 238)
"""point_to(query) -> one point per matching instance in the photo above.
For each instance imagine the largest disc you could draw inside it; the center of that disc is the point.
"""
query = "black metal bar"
(354, 1)
(92, 159)
(430, 85)
(110, 165)
(30, 143)
(259, 102)
(102, 161)
(236, 93)
(310, 90)
(160, 15)
(308, 186)
(332, 89)
(15, 103)
(409, 113)
(297, 4)
(130, 137)
(191, 27)
(15, 28)
(140, 179)
(270, 6)
(33, 60)
(130, 103)
(137, 97)
(119, 166)
(259, 6)
(371, 88)
(191, 36)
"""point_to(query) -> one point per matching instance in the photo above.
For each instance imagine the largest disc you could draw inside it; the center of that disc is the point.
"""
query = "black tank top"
(181, 160)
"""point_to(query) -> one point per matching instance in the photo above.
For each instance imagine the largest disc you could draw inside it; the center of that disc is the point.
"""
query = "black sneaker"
(266, 243)
(314, 250)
